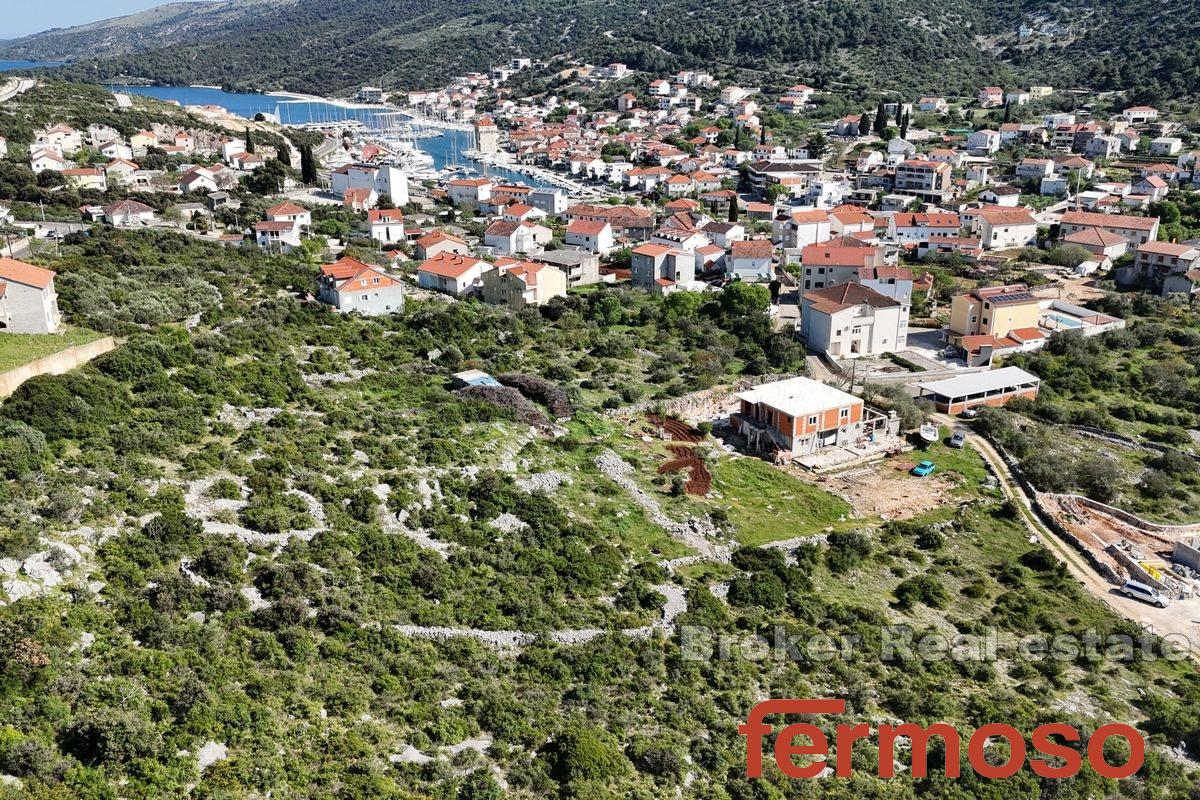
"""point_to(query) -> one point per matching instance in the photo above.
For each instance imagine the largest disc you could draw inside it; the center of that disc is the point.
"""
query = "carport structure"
(991, 388)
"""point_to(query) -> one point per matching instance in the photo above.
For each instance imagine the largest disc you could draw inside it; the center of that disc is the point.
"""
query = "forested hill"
(328, 46)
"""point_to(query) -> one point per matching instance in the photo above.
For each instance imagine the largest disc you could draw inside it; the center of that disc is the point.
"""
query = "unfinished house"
(800, 417)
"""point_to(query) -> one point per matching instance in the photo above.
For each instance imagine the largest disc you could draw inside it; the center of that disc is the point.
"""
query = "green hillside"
(330, 46)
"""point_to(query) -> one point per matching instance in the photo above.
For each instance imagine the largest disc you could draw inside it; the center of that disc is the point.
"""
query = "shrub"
(585, 754)
(921, 589)
(846, 550)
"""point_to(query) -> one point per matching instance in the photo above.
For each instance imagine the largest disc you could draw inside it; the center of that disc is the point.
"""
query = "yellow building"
(143, 139)
(518, 284)
(994, 311)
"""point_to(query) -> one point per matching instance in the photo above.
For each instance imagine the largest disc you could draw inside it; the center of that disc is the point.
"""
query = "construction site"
(1124, 546)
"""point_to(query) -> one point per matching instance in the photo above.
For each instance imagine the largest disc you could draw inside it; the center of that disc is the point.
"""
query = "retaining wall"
(1131, 519)
(55, 364)
(1049, 520)
(702, 406)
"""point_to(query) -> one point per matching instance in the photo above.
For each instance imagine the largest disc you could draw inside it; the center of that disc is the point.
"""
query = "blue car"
(923, 469)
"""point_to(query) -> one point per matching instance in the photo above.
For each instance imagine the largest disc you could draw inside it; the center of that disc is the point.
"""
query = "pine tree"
(864, 125)
(249, 141)
(904, 126)
(880, 119)
(899, 114)
(1007, 112)
(733, 209)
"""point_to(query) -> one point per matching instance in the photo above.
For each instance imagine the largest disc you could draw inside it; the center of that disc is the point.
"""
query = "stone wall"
(56, 364)
(1132, 519)
(1048, 519)
(706, 405)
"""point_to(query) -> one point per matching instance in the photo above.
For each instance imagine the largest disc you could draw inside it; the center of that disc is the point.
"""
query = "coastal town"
(716, 323)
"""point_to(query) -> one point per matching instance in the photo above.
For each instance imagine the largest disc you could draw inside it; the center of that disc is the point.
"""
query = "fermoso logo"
(1067, 760)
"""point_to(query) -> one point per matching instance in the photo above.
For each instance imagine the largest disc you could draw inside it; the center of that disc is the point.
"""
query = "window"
(375, 280)
(812, 420)
(845, 413)
(364, 297)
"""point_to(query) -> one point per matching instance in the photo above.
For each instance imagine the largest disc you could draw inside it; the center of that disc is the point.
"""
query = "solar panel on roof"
(1017, 297)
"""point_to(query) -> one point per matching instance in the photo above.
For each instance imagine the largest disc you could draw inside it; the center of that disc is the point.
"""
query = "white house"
(116, 149)
(1002, 228)
(469, 192)
(128, 213)
(198, 179)
(801, 228)
(507, 237)
(386, 181)
(43, 160)
(28, 301)
(86, 178)
(386, 225)
(350, 285)
(850, 320)
(984, 141)
(452, 273)
(1166, 146)
(1137, 115)
(232, 147)
(277, 237)
(751, 260)
(290, 212)
(594, 236)
(661, 268)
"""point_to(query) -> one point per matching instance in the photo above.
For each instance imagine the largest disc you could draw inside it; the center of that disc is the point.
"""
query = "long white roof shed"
(980, 384)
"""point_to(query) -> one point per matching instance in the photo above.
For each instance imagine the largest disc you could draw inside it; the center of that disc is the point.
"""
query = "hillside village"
(698, 192)
(712, 306)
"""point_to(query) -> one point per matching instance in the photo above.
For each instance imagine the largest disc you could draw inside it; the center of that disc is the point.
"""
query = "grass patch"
(965, 462)
(18, 349)
(766, 504)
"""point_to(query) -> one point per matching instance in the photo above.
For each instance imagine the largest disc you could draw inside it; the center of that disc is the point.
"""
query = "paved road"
(1181, 619)
(14, 87)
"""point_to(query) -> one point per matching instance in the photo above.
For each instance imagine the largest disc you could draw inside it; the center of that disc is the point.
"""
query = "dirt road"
(1181, 620)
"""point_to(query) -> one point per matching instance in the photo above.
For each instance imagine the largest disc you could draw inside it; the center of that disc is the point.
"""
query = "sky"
(21, 18)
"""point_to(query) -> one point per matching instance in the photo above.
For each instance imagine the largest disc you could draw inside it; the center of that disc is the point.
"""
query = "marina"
(428, 148)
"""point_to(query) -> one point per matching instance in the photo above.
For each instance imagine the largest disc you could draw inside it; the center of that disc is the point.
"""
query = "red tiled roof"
(753, 248)
(28, 274)
(450, 265)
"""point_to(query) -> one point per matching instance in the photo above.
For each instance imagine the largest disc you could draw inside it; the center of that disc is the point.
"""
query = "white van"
(1147, 594)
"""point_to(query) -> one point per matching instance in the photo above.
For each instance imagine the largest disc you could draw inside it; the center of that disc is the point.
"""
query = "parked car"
(970, 413)
(958, 440)
(1147, 594)
(923, 469)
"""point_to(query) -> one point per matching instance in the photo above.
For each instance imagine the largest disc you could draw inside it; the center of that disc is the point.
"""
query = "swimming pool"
(1064, 321)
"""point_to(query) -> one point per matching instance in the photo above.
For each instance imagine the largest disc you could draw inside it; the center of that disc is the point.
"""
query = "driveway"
(928, 344)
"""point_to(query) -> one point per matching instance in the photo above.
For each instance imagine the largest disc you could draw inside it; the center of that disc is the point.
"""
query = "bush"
(921, 589)
(762, 589)
(22, 449)
(580, 754)
(930, 539)
(540, 391)
(846, 550)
